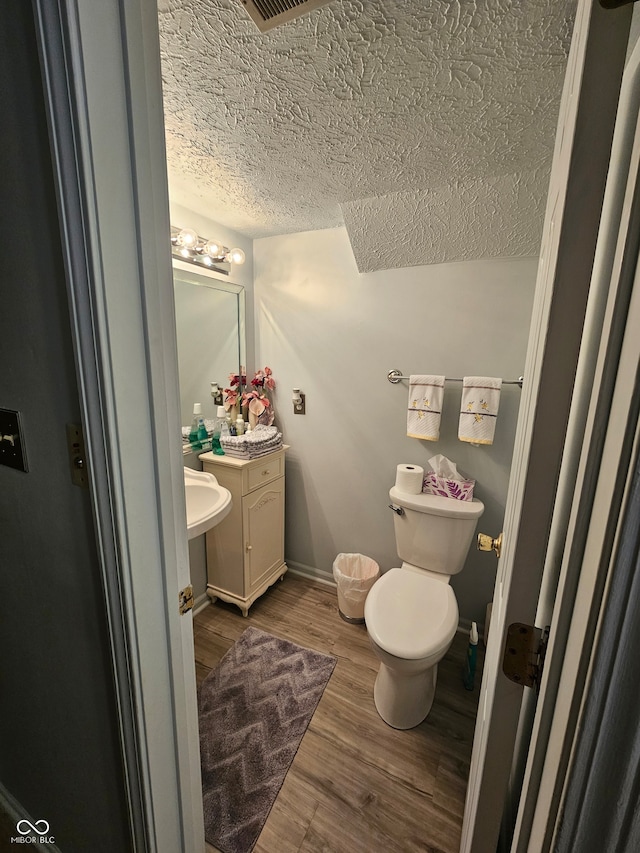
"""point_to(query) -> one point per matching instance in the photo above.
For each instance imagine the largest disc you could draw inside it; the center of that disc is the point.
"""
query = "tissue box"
(461, 490)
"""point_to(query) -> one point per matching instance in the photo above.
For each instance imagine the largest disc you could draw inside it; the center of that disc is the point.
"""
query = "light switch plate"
(12, 450)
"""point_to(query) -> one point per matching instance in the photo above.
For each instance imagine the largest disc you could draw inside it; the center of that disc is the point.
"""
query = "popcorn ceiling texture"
(464, 220)
(424, 126)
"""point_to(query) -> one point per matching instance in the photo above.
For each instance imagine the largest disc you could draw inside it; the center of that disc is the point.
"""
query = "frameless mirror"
(210, 326)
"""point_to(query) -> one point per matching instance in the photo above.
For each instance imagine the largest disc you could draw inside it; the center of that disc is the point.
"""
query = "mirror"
(210, 326)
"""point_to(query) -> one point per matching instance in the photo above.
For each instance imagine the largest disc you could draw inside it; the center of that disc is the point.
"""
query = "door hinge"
(185, 600)
(524, 652)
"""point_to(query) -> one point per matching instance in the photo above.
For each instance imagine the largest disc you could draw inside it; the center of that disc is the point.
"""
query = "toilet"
(411, 612)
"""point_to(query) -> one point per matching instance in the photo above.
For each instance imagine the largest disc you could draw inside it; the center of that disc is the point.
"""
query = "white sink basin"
(207, 502)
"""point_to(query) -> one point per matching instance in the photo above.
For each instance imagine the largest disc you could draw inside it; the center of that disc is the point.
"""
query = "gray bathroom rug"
(254, 708)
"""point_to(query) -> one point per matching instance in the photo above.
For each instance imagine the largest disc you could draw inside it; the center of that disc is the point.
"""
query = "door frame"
(103, 95)
(605, 420)
(574, 205)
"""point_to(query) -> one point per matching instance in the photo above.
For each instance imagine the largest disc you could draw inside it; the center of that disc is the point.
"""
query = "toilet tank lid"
(437, 505)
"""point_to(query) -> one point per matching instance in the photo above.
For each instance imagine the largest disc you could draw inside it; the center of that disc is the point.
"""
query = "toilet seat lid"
(411, 615)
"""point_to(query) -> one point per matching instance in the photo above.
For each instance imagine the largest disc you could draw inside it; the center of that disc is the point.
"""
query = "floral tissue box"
(461, 490)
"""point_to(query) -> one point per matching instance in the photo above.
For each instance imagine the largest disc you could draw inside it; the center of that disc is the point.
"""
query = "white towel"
(259, 438)
(479, 409)
(425, 406)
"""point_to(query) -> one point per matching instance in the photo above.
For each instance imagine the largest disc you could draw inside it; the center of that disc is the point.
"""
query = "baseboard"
(311, 573)
(16, 814)
(464, 626)
(321, 576)
(200, 603)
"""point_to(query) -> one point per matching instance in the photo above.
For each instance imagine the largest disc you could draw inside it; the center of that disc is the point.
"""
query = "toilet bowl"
(411, 613)
(411, 619)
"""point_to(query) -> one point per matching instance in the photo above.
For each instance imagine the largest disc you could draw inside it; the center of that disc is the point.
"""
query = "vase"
(253, 419)
(267, 417)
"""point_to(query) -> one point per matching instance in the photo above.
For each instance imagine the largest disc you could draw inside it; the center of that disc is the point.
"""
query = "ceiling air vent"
(267, 14)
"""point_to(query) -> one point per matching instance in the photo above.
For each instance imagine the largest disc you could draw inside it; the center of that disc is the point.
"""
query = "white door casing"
(101, 70)
(604, 474)
(581, 156)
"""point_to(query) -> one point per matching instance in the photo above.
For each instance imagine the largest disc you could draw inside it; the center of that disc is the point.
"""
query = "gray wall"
(59, 748)
(323, 327)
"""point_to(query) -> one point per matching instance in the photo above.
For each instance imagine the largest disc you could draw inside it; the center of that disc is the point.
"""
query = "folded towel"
(479, 409)
(260, 437)
(251, 454)
(425, 406)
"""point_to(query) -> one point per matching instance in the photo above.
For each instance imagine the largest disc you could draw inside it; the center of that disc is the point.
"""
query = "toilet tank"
(433, 532)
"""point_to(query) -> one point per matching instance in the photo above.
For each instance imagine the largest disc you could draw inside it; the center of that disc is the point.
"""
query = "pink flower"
(264, 379)
(238, 379)
(256, 402)
(231, 398)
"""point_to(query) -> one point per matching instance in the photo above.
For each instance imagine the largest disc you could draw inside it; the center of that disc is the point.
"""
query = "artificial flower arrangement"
(256, 400)
(233, 394)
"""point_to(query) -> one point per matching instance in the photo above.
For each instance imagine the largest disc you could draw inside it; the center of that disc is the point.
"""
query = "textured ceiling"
(424, 126)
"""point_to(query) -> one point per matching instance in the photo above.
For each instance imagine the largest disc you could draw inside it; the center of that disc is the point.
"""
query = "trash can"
(354, 574)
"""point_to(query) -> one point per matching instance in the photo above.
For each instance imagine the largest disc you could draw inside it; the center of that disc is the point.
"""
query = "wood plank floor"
(356, 785)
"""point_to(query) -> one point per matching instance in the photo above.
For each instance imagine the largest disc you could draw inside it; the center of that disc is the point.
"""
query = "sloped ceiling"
(426, 127)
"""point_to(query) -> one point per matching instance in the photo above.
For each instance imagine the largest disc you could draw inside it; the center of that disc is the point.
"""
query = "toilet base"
(404, 700)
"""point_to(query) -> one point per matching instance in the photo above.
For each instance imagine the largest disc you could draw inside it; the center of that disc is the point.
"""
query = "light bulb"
(235, 256)
(187, 238)
(206, 260)
(213, 249)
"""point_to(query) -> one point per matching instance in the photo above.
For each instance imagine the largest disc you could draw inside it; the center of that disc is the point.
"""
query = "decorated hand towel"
(479, 409)
(425, 407)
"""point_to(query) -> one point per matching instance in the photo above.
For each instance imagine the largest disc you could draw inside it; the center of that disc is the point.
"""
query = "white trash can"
(354, 574)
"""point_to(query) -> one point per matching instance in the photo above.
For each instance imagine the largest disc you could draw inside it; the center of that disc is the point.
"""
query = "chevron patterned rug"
(254, 708)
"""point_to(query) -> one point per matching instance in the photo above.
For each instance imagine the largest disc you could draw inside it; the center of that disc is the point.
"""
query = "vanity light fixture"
(187, 245)
(298, 402)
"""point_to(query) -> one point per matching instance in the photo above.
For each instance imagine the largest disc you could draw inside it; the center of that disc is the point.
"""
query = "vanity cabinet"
(245, 552)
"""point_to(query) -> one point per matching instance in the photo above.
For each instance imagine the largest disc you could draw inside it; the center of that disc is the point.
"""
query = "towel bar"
(396, 375)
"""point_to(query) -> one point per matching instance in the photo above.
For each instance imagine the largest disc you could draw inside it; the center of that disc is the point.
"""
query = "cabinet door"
(263, 522)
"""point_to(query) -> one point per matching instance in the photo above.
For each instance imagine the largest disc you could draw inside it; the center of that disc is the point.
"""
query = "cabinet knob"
(248, 547)
(265, 472)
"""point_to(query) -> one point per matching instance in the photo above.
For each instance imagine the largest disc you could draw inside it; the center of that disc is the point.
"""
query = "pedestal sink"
(207, 502)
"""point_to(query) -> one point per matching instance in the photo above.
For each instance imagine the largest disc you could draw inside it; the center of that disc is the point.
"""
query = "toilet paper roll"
(409, 479)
